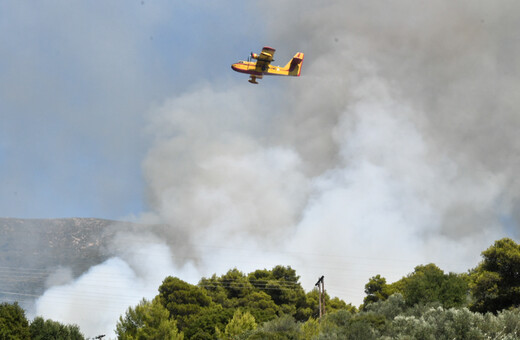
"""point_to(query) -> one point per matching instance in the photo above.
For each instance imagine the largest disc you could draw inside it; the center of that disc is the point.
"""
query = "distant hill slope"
(31, 249)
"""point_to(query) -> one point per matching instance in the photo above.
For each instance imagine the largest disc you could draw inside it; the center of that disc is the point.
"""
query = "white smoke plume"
(397, 146)
(96, 299)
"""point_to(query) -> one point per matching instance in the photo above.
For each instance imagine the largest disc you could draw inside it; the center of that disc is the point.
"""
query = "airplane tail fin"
(295, 65)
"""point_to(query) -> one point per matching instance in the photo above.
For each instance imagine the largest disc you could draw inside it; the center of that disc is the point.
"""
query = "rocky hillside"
(31, 249)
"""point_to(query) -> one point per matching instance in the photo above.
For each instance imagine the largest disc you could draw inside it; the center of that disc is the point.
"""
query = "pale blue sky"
(76, 81)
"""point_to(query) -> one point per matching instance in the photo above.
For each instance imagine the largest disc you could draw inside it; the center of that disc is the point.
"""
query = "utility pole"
(321, 299)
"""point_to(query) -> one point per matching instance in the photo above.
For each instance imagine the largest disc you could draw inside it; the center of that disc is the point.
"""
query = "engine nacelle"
(254, 55)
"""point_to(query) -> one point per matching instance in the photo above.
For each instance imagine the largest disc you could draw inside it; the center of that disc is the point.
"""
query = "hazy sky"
(77, 79)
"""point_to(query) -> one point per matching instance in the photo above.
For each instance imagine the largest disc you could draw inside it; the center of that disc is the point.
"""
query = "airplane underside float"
(262, 66)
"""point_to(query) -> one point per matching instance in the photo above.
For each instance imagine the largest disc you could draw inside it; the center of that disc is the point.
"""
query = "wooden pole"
(321, 299)
(323, 295)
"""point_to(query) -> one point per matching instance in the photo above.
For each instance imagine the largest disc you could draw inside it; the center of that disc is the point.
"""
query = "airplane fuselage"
(251, 67)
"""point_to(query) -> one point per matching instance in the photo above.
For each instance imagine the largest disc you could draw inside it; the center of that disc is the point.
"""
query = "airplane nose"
(239, 67)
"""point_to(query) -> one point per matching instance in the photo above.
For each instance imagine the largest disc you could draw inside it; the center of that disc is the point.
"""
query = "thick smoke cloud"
(396, 146)
(210, 171)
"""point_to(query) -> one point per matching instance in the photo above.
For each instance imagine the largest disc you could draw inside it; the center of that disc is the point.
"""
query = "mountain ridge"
(32, 249)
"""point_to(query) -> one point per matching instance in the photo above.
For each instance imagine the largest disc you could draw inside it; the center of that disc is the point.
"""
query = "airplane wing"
(267, 54)
(264, 58)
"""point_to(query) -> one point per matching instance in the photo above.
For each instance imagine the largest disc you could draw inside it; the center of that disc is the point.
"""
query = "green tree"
(282, 284)
(393, 319)
(428, 283)
(264, 293)
(227, 289)
(182, 299)
(310, 329)
(215, 290)
(260, 305)
(41, 329)
(346, 325)
(148, 320)
(235, 284)
(438, 323)
(239, 324)
(389, 308)
(203, 324)
(234, 290)
(311, 307)
(13, 323)
(283, 327)
(376, 289)
(495, 282)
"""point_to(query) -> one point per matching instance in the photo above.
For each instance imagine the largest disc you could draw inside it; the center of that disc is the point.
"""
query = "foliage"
(281, 284)
(203, 325)
(346, 325)
(310, 308)
(454, 323)
(376, 290)
(426, 284)
(495, 282)
(148, 320)
(284, 327)
(234, 290)
(41, 329)
(13, 323)
(264, 293)
(394, 319)
(182, 299)
(227, 289)
(260, 305)
(239, 324)
(389, 308)
(426, 304)
(310, 329)
(429, 284)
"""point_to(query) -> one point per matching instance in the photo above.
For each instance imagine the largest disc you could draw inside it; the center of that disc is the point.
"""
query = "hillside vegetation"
(271, 304)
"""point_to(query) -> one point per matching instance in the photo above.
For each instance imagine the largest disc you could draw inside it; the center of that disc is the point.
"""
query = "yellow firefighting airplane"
(262, 66)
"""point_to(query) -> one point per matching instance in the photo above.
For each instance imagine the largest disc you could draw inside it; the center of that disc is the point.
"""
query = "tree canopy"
(148, 320)
(13, 323)
(427, 303)
(182, 300)
(495, 282)
(429, 283)
(41, 329)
